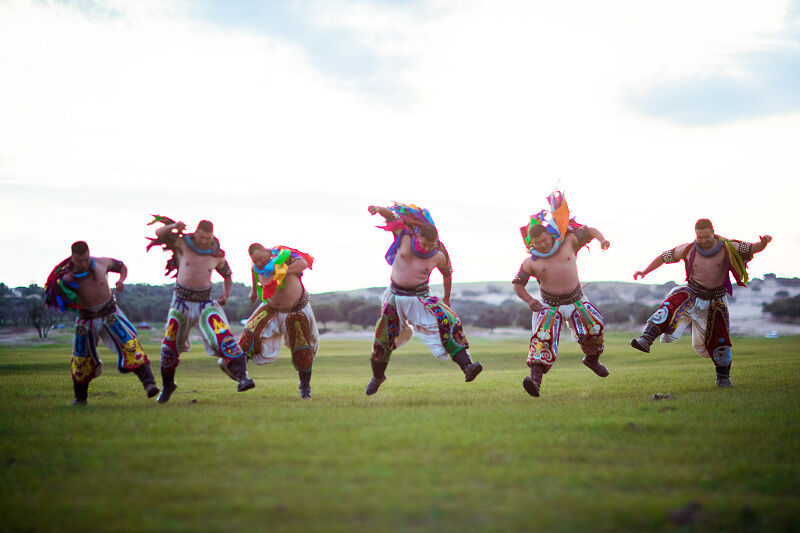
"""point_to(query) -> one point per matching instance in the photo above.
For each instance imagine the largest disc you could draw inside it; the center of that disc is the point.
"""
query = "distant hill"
(746, 311)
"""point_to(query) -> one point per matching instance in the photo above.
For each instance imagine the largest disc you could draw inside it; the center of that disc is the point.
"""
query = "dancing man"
(285, 311)
(553, 245)
(407, 303)
(703, 302)
(194, 257)
(80, 282)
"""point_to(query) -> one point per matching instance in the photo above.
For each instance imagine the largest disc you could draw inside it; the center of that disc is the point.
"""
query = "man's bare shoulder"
(679, 252)
(528, 265)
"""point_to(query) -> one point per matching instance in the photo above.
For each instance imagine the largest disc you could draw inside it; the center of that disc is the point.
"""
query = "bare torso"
(194, 270)
(557, 274)
(287, 297)
(410, 270)
(93, 289)
(709, 272)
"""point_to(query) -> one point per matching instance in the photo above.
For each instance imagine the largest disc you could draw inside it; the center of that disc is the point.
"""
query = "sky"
(282, 121)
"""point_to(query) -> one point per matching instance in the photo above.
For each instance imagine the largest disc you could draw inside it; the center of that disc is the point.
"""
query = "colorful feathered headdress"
(557, 222)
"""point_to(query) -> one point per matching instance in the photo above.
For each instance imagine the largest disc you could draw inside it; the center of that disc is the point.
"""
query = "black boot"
(533, 383)
(238, 367)
(145, 375)
(378, 377)
(225, 369)
(305, 384)
(592, 362)
(649, 336)
(724, 376)
(81, 393)
(470, 369)
(168, 384)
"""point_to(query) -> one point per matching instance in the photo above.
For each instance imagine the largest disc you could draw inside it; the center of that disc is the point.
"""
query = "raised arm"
(385, 212)
(747, 249)
(166, 230)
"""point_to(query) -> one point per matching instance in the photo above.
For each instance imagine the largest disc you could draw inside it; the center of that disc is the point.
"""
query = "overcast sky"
(282, 121)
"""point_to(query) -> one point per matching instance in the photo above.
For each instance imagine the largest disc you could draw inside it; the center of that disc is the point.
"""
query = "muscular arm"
(522, 293)
(119, 267)
(444, 266)
(164, 231)
(657, 262)
(297, 266)
(595, 234)
(227, 280)
(669, 256)
(759, 246)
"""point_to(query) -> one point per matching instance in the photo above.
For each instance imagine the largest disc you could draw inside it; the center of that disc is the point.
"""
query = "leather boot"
(724, 376)
(238, 367)
(378, 376)
(533, 383)
(305, 384)
(470, 369)
(81, 393)
(592, 362)
(168, 384)
(647, 338)
(145, 375)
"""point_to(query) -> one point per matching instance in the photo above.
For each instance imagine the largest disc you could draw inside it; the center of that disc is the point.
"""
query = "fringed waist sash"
(108, 308)
(555, 300)
(192, 295)
(419, 290)
(704, 292)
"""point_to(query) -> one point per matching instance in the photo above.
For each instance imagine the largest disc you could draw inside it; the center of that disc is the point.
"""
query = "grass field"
(428, 452)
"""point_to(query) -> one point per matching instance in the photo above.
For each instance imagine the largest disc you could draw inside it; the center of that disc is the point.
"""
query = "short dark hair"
(428, 231)
(255, 246)
(80, 247)
(536, 230)
(703, 223)
(205, 225)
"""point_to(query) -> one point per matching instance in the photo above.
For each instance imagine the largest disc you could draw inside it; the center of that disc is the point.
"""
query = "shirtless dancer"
(416, 251)
(80, 282)
(703, 301)
(195, 256)
(554, 247)
(285, 312)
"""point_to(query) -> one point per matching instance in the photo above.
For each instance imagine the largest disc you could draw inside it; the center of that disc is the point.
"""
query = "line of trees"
(22, 307)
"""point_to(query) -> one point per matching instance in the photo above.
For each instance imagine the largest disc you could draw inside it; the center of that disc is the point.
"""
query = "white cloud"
(110, 114)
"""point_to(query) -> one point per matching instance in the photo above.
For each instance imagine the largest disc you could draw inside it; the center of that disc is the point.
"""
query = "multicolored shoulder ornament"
(60, 294)
(558, 223)
(168, 243)
(282, 257)
(407, 218)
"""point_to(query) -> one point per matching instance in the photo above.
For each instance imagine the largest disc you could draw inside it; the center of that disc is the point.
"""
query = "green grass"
(428, 452)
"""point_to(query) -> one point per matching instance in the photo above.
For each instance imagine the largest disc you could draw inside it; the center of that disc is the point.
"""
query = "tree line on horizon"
(144, 303)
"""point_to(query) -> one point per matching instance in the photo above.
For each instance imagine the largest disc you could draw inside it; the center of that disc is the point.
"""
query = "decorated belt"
(704, 292)
(419, 290)
(108, 308)
(191, 295)
(554, 300)
(301, 303)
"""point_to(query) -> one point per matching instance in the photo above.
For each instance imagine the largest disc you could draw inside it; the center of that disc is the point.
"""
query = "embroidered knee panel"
(544, 341)
(667, 317)
(386, 331)
(176, 323)
(717, 340)
(250, 340)
(218, 334)
(83, 363)
(451, 332)
(299, 331)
